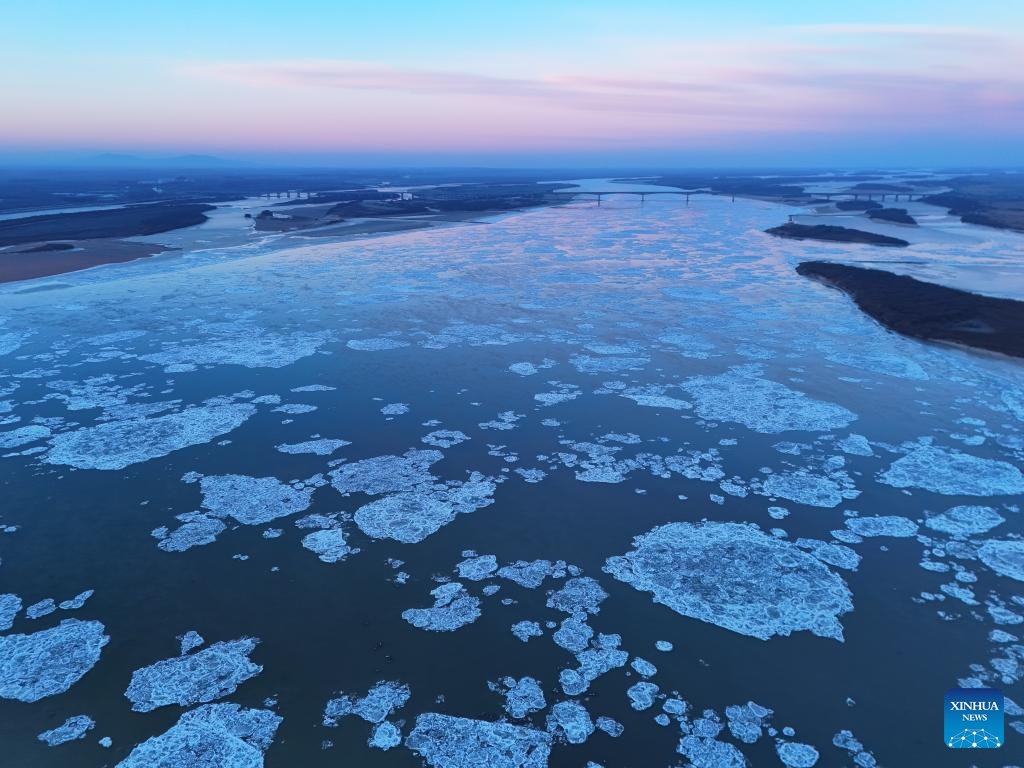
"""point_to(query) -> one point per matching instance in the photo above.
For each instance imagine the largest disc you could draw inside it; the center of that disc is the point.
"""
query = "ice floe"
(253, 500)
(72, 729)
(964, 521)
(453, 608)
(742, 396)
(1004, 557)
(119, 444)
(380, 702)
(580, 595)
(524, 630)
(50, 661)
(385, 736)
(319, 447)
(196, 678)
(522, 696)
(329, 544)
(796, 755)
(211, 735)
(571, 721)
(737, 577)
(445, 438)
(10, 605)
(249, 347)
(949, 472)
(882, 525)
(444, 741)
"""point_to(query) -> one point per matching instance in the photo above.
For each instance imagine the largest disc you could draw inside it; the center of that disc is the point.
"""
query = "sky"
(555, 83)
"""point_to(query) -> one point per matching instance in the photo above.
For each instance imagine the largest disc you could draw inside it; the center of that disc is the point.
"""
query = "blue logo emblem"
(973, 718)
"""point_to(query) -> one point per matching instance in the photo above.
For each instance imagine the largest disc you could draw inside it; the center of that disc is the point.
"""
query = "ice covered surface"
(796, 755)
(193, 679)
(395, 409)
(445, 438)
(320, 447)
(453, 608)
(882, 525)
(707, 752)
(380, 702)
(385, 736)
(50, 661)
(964, 521)
(380, 344)
(663, 645)
(477, 568)
(737, 577)
(573, 635)
(190, 641)
(641, 695)
(803, 487)
(643, 667)
(610, 726)
(386, 474)
(329, 544)
(77, 601)
(580, 595)
(524, 630)
(16, 438)
(9, 607)
(411, 516)
(249, 347)
(570, 719)
(522, 696)
(196, 530)
(746, 721)
(952, 473)
(741, 395)
(531, 573)
(252, 500)
(444, 741)
(118, 444)
(40, 609)
(212, 735)
(1004, 557)
(72, 729)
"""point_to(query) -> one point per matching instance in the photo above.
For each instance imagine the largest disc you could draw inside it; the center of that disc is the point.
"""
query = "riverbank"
(927, 311)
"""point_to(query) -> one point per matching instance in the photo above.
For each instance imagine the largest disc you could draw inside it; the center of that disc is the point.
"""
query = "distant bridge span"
(685, 193)
(642, 195)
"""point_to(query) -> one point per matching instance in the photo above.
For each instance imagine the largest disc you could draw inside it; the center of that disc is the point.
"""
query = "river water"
(298, 445)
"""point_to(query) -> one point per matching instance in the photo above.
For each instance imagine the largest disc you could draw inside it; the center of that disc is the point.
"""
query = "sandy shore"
(28, 262)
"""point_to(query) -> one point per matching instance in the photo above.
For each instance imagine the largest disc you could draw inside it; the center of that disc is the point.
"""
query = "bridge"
(642, 195)
(684, 193)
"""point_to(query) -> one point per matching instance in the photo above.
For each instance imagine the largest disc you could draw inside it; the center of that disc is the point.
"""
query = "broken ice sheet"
(950, 472)
(196, 678)
(444, 741)
(453, 608)
(380, 702)
(72, 729)
(743, 396)
(50, 661)
(118, 444)
(737, 577)
(215, 734)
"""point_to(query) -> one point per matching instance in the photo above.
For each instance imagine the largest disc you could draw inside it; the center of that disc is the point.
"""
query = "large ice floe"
(211, 735)
(444, 741)
(453, 608)
(10, 605)
(253, 500)
(949, 472)
(742, 396)
(194, 678)
(965, 521)
(1004, 557)
(119, 444)
(50, 661)
(737, 577)
(418, 504)
(249, 347)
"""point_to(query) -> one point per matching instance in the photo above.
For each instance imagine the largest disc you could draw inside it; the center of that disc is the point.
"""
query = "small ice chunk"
(74, 728)
(453, 608)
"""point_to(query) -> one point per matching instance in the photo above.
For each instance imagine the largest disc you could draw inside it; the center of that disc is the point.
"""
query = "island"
(895, 215)
(927, 311)
(834, 234)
